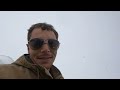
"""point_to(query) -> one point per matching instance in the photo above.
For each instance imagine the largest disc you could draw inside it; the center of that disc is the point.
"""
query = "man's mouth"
(44, 57)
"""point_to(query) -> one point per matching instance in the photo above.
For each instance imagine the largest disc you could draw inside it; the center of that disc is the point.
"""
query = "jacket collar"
(40, 71)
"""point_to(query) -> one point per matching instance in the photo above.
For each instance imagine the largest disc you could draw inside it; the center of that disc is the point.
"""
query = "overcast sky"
(90, 40)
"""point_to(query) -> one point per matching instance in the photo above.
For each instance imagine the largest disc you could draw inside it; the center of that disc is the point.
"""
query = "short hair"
(43, 26)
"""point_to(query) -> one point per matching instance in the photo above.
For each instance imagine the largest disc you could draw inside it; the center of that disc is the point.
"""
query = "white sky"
(90, 40)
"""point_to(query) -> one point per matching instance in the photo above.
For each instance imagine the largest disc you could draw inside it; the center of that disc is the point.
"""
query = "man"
(38, 63)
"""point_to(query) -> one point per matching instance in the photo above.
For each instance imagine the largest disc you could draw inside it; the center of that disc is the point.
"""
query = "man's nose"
(45, 48)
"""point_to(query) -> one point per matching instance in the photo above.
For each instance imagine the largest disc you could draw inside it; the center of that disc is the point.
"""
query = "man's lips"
(44, 57)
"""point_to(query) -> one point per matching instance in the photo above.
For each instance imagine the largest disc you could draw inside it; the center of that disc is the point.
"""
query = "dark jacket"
(23, 68)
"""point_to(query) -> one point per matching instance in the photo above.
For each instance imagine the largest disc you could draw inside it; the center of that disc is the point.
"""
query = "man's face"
(45, 55)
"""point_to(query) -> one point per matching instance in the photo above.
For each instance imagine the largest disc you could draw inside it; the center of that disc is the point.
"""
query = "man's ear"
(27, 47)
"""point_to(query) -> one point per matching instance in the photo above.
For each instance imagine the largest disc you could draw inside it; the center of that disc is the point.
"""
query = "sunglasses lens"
(53, 43)
(36, 43)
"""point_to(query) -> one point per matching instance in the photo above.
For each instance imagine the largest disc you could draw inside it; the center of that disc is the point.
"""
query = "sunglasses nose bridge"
(45, 47)
(45, 42)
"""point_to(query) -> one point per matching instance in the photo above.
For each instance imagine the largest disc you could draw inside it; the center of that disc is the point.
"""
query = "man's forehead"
(44, 34)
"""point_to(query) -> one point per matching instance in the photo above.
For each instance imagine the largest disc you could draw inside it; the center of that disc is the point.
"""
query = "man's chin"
(46, 66)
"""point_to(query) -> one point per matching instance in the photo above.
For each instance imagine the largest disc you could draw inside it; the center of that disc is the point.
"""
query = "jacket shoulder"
(12, 71)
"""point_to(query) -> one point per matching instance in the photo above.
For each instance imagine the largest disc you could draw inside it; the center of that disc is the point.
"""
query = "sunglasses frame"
(55, 46)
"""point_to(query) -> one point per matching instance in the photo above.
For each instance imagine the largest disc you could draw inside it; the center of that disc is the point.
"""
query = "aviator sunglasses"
(37, 43)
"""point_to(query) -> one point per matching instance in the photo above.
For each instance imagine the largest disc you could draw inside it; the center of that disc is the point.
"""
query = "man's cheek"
(54, 53)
